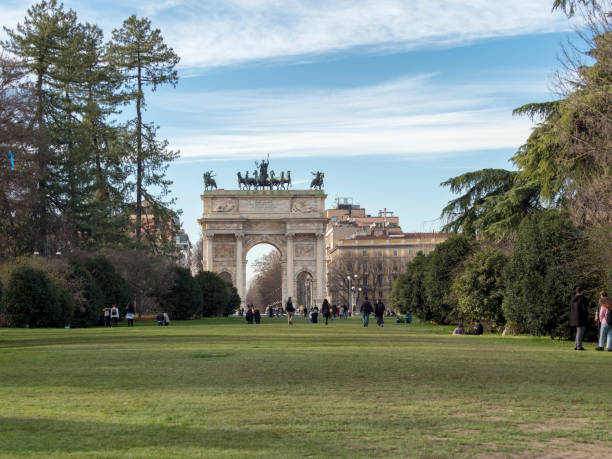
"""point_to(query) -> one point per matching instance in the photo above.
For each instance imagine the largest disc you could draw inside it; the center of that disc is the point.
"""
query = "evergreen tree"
(142, 57)
(39, 43)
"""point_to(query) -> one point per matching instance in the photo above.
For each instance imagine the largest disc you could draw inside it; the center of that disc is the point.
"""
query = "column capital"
(319, 236)
(239, 234)
(210, 233)
(289, 236)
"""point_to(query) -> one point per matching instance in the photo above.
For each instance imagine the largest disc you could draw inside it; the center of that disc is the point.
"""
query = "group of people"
(579, 316)
(112, 315)
(378, 309)
(163, 319)
(477, 330)
(252, 314)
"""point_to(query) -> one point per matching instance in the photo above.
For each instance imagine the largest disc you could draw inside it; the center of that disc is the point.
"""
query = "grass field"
(221, 388)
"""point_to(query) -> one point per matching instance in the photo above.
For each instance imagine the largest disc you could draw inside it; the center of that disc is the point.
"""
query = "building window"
(364, 267)
(380, 253)
(409, 251)
(334, 219)
(380, 280)
(364, 281)
(380, 266)
(349, 253)
(349, 267)
(364, 252)
(395, 252)
(395, 266)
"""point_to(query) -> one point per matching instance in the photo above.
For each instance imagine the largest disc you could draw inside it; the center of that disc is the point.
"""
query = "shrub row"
(526, 288)
(73, 292)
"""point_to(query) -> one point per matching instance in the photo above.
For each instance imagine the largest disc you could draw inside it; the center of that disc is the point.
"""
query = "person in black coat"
(290, 311)
(257, 316)
(579, 314)
(326, 310)
(366, 310)
(379, 310)
(249, 315)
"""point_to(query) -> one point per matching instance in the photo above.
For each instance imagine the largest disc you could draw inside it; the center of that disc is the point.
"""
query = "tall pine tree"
(144, 60)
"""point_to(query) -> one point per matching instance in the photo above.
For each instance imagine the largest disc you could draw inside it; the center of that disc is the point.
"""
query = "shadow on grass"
(29, 436)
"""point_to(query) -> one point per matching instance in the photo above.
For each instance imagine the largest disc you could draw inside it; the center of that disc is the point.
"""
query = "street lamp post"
(351, 292)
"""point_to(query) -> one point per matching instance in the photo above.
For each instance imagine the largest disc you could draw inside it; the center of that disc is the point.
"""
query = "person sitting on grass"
(459, 330)
(314, 315)
(477, 328)
(408, 317)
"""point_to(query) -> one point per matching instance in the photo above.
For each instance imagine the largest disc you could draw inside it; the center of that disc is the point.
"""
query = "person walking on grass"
(366, 310)
(160, 319)
(604, 316)
(114, 313)
(257, 316)
(326, 310)
(129, 315)
(578, 317)
(249, 314)
(290, 311)
(380, 312)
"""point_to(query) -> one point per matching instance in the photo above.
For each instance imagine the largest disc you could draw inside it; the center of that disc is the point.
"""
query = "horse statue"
(209, 181)
(288, 181)
(317, 182)
(281, 181)
(241, 181)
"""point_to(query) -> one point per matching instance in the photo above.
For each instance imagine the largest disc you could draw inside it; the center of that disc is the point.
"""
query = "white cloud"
(410, 117)
(209, 33)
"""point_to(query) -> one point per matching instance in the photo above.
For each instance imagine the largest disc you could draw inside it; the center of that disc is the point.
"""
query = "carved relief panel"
(304, 250)
(223, 250)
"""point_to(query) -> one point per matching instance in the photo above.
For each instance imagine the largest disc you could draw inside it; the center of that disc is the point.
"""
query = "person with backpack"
(249, 315)
(257, 316)
(366, 310)
(107, 318)
(380, 312)
(114, 313)
(290, 311)
(326, 310)
(578, 317)
(604, 316)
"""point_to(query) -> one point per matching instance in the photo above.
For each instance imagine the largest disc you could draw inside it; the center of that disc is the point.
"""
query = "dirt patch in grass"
(551, 425)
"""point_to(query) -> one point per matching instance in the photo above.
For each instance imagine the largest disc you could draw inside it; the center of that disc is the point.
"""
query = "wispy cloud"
(209, 33)
(412, 117)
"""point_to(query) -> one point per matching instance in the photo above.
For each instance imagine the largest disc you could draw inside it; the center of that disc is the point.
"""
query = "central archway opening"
(304, 289)
(264, 277)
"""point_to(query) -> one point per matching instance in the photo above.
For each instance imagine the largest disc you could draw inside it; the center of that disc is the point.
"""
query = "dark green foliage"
(114, 288)
(216, 293)
(443, 264)
(493, 204)
(479, 288)
(32, 300)
(233, 301)
(90, 302)
(184, 298)
(541, 276)
(407, 294)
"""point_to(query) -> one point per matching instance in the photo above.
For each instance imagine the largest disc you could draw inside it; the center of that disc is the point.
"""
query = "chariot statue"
(317, 181)
(209, 181)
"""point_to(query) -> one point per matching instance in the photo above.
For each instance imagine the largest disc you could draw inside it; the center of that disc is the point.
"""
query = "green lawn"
(221, 388)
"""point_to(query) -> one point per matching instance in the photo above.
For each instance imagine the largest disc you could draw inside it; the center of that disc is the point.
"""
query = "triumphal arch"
(293, 221)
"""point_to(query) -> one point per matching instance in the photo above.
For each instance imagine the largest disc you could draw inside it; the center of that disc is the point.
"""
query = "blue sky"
(387, 97)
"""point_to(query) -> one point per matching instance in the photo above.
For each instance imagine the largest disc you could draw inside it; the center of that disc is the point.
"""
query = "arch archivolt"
(235, 221)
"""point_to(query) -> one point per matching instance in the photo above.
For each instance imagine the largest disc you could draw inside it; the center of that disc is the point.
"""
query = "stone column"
(208, 251)
(240, 274)
(320, 254)
(290, 276)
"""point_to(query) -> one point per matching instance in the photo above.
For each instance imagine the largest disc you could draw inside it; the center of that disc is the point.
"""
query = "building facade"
(365, 253)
